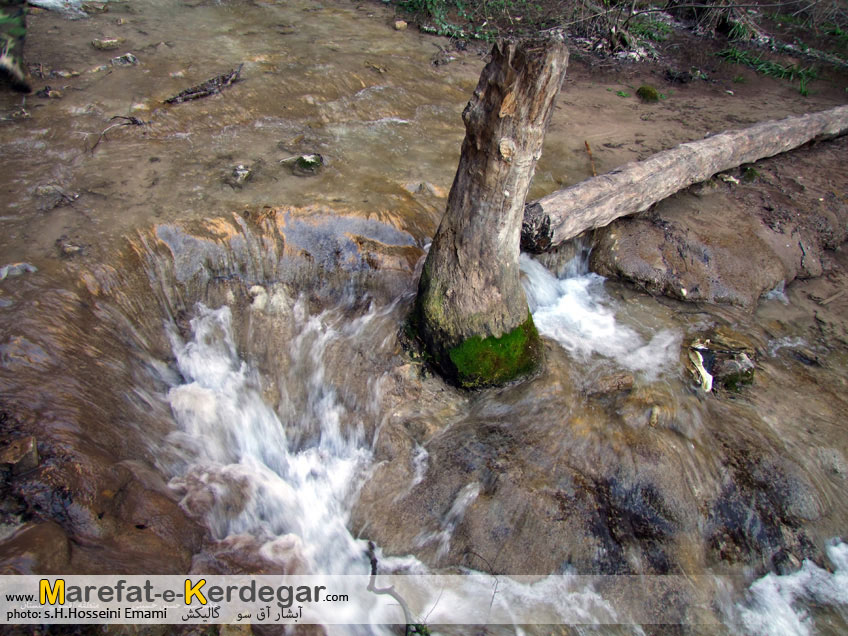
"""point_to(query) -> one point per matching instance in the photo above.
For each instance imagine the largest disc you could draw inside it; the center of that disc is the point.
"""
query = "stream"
(215, 369)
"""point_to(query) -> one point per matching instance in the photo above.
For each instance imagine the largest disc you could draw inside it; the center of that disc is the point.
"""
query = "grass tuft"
(771, 68)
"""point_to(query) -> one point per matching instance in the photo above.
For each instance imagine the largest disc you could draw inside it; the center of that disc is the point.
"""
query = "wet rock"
(68, 249)
(241, 174)
(127, 59)
(442, 57)
(95, 7)
(20, 456)
(48, 92)
(53, 196)
(238, 176)
(611, 383)
(246, 554)
(757, 519)
(424, 188)
(723, 358)
(307, 165)
(107, 44)
(36, 548)
(833, 462)
(686, 253)
(16, 269)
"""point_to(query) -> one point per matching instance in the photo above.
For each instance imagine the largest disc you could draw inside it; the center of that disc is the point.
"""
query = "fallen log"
(636, 186)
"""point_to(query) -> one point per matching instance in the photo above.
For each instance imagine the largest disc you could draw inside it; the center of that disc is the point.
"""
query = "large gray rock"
(707, 248)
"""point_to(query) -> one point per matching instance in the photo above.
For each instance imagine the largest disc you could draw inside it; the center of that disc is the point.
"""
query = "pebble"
(16, 269)
(107, 44)
(127, 59)
(20, 456)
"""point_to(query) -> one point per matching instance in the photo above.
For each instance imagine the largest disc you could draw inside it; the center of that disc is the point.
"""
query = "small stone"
(127, 59)
(726, 359)
(612, 383)
(655, 416)
(107, 44)
(400, 25)
(48, 92)
(240, 175)
(308, 165)
(94, 7)
(68, 249)
(20, 456)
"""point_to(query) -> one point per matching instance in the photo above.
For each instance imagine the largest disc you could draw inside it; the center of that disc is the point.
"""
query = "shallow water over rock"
(200, 396)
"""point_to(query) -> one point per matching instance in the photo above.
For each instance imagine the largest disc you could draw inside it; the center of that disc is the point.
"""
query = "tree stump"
(471, 313)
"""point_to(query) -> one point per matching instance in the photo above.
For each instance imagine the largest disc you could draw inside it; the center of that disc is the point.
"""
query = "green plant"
(771, 68)
(788, 18)
(750, 174)
(840, 34)
(739, 80)
(484, 19)
(653, 30)
(622, 93)
(739, 31)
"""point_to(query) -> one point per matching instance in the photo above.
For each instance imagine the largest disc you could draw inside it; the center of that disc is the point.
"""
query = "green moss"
(308, 165)
(749, 174)
(648, 93)
(491, 361)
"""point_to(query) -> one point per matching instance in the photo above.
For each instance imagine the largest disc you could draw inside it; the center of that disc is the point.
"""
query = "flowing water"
(229, 393)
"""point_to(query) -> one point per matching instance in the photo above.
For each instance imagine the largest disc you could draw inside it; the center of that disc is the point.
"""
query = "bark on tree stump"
(471, 312)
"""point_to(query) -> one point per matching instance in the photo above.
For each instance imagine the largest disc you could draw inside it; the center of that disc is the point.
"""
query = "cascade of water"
(574, 310)
(253, 473)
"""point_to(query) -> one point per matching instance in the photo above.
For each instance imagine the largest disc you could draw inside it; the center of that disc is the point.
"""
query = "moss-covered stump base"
(484, 362)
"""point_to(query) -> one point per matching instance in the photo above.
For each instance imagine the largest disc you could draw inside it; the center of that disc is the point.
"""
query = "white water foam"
(577, 312)
(450, 521)
(236, 460)
(778, 605)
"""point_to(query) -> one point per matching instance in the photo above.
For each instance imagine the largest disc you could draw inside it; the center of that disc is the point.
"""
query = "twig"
(390, 591)
(838, 294)
(591, 158)
(130, 121)
(491, 569)
(207, 88)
